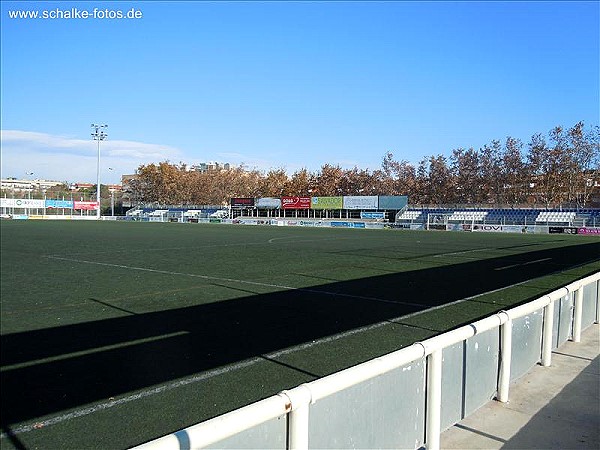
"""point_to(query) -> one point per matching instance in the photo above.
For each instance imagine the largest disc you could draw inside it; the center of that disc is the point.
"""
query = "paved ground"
(556, 407)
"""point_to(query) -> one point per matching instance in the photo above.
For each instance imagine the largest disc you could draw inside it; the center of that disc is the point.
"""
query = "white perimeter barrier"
(295, 404)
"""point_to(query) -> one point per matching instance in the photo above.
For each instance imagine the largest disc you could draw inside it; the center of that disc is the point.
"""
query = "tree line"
(560, 169)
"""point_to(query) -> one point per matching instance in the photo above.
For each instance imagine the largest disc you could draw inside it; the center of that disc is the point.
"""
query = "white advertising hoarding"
(366, 202)
(21, 203)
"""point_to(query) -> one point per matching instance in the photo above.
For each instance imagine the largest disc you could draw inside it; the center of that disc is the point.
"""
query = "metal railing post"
(577, 314)
(547, 334)
(505, 360)
(434, 400)
(597, 302)
(300, 399)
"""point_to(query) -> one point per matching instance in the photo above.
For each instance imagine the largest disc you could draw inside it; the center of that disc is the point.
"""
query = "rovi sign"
(487, 228)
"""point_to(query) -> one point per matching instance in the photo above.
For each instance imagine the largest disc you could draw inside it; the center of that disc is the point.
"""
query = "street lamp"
(98, 134)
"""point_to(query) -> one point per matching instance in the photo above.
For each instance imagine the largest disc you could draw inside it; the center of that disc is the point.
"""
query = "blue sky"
(288, 84)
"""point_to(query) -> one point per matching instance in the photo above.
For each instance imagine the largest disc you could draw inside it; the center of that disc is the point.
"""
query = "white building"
(16, 185)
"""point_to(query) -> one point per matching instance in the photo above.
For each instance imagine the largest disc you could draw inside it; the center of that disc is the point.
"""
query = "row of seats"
(555, 217)
(494, 215)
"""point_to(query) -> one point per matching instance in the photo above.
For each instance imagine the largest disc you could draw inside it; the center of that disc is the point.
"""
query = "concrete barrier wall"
(407, 398)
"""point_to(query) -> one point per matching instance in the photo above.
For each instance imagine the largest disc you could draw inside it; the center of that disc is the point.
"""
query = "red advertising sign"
(85, 205)
(295, 202)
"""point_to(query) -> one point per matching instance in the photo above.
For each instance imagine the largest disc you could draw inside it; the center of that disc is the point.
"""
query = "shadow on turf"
(51, 370)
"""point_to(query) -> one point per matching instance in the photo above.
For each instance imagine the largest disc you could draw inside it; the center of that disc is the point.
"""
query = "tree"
(399, 177)
(273, 184)
(490, 161)
(441, 183)
(466, 173)
(514, 173)
(586, 160)
(301, 183)
(328, 181)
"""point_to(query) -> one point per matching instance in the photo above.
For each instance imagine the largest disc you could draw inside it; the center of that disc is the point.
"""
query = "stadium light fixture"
(98, 134)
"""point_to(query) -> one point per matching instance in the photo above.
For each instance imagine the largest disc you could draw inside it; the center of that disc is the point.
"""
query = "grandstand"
(425, 217)
(501, 216)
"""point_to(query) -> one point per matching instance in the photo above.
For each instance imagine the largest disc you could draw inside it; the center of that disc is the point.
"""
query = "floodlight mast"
(98, 134)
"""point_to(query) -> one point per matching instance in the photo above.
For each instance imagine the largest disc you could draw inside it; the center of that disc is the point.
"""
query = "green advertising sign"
(326, 202)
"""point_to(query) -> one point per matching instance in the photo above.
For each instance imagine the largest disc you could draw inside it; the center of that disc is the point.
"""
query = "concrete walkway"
(556, 407)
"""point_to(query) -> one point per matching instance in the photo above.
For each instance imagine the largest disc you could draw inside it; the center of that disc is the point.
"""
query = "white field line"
(131, 398)
(216, 372)
(95, 350)
(523, 264)
(463, 252)
(234, 280)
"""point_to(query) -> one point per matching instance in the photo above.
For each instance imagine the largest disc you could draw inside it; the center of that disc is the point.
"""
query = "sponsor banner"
(372, 215)
(453, 227)
(311, 223)
(392, 201)
(417, 226)
(266, 222)
(21, 203)
(88, 206)
(268, 203)
(59, 204)
(595, 231)
(373, 225)
(488, 228)
(20, 216)
(326, 202)
(348, 224)
(239, 202)
(360, 202)
(249, 221)
(295, 202)
(562, 230)
(437, 227)
(518, 229)
(506, 228)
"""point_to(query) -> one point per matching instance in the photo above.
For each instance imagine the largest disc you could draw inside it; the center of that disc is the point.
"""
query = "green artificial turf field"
(117, 333)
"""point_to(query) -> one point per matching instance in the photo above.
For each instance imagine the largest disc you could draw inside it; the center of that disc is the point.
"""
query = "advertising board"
(562, 230)
(372, 215)
(337, 224)
(242, 202)
(311, 223)
(585, 230)
(59, 204)
(295, 202)
(505, 228)
(268, 203)
(361, 202)
(21, 203)
(326, 202)
(88, 206)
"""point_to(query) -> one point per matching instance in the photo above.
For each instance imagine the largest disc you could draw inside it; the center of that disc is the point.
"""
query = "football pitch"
(115, 333)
